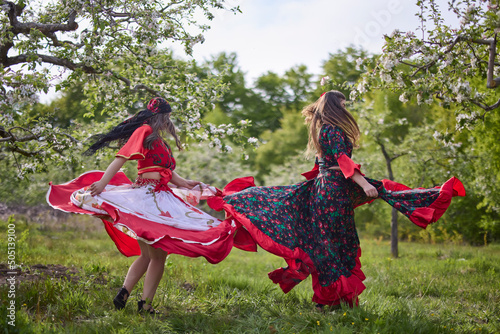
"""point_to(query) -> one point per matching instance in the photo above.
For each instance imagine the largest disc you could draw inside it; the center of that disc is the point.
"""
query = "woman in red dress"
(156, 214)
(311, 224)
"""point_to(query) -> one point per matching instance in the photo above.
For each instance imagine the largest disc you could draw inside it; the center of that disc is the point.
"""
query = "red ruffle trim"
(451, 188)
(312, 173)
(425, 216)
(300, 265)
(344, 290)
(348, 167)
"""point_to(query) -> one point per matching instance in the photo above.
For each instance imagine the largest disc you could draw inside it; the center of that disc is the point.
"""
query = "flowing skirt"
(311, 225)
(166, 219)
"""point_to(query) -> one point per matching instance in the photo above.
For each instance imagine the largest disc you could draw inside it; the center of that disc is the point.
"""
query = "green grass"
(429, 289)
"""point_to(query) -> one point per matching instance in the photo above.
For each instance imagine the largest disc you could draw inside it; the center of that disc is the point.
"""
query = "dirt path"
(34, 272)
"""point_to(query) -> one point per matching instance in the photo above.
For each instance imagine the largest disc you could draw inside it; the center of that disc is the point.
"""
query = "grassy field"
(429, 289)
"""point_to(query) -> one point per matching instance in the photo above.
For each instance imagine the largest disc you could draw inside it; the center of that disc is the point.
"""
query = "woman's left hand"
(96, 188)
(370, 190)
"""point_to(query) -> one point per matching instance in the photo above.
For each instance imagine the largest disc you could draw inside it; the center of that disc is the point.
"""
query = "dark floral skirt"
(311, 225)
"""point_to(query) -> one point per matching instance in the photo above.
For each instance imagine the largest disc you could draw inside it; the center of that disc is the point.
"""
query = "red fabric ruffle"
(425, 216)
(58, 197)
(348, 167)
(344, 290)
(312, 173)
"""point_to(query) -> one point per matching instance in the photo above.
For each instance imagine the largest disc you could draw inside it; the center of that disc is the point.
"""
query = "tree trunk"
(394, 216)
(394, 233)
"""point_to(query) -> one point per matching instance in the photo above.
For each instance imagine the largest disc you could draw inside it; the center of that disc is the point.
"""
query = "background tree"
(443, 61)
(343, 69)
(116, 48)
(457, 68)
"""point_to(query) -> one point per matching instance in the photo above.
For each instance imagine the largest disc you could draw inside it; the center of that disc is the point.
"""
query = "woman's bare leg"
(154, 273)
(138, 267)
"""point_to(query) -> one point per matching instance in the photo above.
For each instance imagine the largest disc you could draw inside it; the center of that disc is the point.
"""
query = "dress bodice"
(334, 143)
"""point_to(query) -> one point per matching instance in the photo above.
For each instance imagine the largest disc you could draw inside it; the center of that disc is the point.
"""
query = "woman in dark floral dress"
(311, 224)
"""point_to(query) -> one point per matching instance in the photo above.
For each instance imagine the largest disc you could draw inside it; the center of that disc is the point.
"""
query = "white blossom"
(403, 98)
(359, 62)
(386, 77)
(324, 80)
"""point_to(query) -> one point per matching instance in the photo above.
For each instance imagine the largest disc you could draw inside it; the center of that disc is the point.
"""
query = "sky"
(275, 35)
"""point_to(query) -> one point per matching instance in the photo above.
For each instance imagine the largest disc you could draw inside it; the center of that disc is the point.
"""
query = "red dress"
(153, 211)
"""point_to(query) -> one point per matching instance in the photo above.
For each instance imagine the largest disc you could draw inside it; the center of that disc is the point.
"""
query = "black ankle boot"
(320, 307)
(141, 309)
(121, 298)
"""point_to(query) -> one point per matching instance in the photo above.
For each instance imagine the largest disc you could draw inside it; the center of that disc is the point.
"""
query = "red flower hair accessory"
(158, 105)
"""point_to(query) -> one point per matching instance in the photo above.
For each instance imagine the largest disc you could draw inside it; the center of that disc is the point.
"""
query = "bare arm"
(369, 190)
(97, 187)
(182, 182)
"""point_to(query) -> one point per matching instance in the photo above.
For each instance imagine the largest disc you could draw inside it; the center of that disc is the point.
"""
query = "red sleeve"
(134, 148)
(348, 167)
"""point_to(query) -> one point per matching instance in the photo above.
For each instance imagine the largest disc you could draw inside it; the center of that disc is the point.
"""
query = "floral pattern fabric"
(317, 216)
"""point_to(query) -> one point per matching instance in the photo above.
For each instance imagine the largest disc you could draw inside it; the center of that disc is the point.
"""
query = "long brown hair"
(161, 123)
(328, 109)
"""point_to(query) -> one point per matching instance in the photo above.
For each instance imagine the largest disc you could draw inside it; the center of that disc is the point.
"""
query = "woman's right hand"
(370, 190)
(190, 184)
(96, 188)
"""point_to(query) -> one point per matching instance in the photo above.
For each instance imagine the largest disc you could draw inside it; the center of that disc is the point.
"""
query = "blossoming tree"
(442, 62)
(454, 68)
(118, 49)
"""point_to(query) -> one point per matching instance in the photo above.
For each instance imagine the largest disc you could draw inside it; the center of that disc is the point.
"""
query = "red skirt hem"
(424, 216)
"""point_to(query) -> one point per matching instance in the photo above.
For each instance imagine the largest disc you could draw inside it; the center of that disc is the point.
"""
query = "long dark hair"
(328, 109)
(161, 123)
(157, 115)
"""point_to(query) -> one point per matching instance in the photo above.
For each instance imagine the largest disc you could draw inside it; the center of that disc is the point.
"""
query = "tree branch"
(431, 63)
(23, 58)
(395, 156)
(136, 87)
(56, 42)
(485, 107)
(23, 152)
(146, 88)
(490, 81)
(8, 136)
(24, 28)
